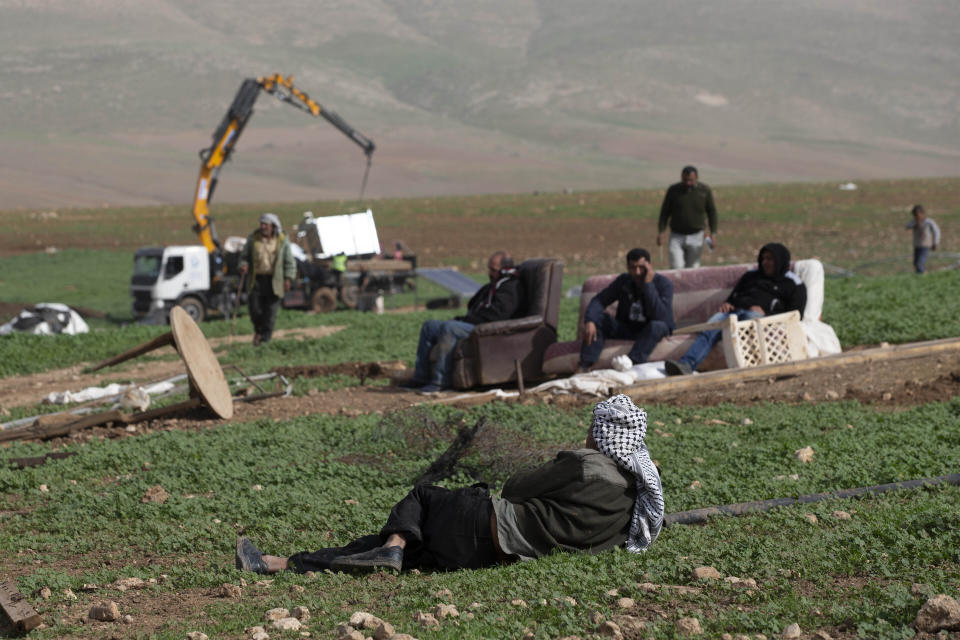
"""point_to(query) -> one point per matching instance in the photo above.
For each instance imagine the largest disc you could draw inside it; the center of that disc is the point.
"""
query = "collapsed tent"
(46, 319)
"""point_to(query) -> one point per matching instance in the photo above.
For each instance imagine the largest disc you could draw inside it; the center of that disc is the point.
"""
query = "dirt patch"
(893, 384)
(20, 391)
(918, 381)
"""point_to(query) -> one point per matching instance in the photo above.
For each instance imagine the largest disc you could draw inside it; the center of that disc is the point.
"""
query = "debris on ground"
(46, 319)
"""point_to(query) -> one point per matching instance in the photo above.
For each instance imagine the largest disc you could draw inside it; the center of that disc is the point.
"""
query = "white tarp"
(353, 234)
(46, 319)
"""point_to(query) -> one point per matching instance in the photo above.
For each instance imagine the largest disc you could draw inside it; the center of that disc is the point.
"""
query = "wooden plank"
(723, 376)
(146, 347)
(697, 328)
(162, 411)
(374, 265)
(23, 463)
(17, 608)
(52, 431)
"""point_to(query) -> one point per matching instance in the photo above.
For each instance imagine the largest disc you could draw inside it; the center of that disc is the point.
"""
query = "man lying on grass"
(589, 500)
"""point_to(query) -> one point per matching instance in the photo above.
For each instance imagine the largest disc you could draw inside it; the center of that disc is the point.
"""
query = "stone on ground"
(426, 620)
(706, 573)
(301, 613)
(689, 627)
(107, 611)
(630, 625)
(287, 624)
(384, 631)
(442, 611)
(941, 612)
(276, 614)
(155, 494)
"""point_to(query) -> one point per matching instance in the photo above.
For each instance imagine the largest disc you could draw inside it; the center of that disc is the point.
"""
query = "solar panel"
(450, 279)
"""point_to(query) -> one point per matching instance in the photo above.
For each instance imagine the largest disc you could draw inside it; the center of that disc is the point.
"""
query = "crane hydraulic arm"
(226, 135)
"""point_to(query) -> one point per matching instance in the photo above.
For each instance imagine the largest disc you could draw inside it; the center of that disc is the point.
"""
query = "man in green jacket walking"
(588, 500)
(268, 260)
(688, 207)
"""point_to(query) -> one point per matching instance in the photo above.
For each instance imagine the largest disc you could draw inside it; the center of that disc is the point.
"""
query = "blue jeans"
(435, 351)
(644, 340)
(920, 255)
(701, 347)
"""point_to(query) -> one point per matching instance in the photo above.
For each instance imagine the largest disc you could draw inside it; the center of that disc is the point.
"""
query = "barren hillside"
(108, 101)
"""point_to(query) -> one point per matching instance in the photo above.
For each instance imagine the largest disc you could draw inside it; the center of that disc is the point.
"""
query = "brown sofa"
(697, 294)
(487, 356)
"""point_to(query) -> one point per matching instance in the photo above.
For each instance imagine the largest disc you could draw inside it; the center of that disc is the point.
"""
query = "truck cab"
(164, 277)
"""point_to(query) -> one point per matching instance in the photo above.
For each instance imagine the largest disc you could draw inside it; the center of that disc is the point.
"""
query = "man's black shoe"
(676, 368)
(379, 558)
(249, 558)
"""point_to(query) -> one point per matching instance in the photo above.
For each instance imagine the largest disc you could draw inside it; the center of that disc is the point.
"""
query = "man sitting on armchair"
(499, 299)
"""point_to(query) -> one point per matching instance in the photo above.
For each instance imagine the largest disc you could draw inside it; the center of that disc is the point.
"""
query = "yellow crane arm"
(226, 135)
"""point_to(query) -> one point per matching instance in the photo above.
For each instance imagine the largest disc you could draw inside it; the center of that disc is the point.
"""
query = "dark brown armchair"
(488, 355)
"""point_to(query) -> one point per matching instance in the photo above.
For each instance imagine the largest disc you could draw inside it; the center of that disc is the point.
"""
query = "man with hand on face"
(644, 312)
(769, 289)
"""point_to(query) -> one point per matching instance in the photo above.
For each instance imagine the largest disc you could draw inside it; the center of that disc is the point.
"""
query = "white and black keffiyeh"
(619, 427)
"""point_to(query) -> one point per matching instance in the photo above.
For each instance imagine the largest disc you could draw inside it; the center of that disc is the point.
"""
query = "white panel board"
(351, 233)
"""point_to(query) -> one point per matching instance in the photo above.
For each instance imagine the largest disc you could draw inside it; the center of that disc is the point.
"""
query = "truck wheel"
(350, 294)
(194, 308)
(324, 300)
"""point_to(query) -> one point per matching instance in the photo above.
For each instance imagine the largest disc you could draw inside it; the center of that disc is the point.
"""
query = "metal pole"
(236, 306)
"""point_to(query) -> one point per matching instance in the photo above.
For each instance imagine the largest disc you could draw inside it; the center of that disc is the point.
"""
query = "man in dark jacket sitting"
(644, 312)
(587, 500)
(769, 289)
(499, 299)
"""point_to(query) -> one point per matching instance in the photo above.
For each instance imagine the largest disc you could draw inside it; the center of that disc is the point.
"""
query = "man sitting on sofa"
(644, 312)
(499, 299)
(769, 289)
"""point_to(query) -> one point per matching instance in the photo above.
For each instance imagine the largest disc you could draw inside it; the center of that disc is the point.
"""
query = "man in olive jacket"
(269, 261)
(688, 207)
(588, 500)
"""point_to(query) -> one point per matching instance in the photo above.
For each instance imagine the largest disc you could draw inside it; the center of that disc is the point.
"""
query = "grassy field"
(314, 481)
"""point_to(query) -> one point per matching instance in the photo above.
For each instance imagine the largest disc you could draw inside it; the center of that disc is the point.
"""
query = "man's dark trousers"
(264, 304)
(444, 529)
(645, 339)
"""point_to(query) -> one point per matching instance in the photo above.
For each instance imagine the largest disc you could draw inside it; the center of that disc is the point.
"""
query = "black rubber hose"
(698, 516)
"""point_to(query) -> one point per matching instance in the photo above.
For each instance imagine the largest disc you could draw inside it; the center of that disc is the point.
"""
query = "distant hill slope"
(107, 101)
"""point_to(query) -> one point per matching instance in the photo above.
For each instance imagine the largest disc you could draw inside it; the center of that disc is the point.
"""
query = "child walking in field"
(926, 237)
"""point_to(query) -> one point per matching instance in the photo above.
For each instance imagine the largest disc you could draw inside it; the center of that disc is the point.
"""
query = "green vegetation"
(292, 484)
(862, 310)
(315, 481)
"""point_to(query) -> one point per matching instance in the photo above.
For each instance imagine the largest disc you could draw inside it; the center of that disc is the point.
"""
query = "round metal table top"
(202, 365)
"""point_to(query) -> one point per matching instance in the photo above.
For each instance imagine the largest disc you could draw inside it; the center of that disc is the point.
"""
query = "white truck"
(165, 277)
(202, 278)
(179, 275)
